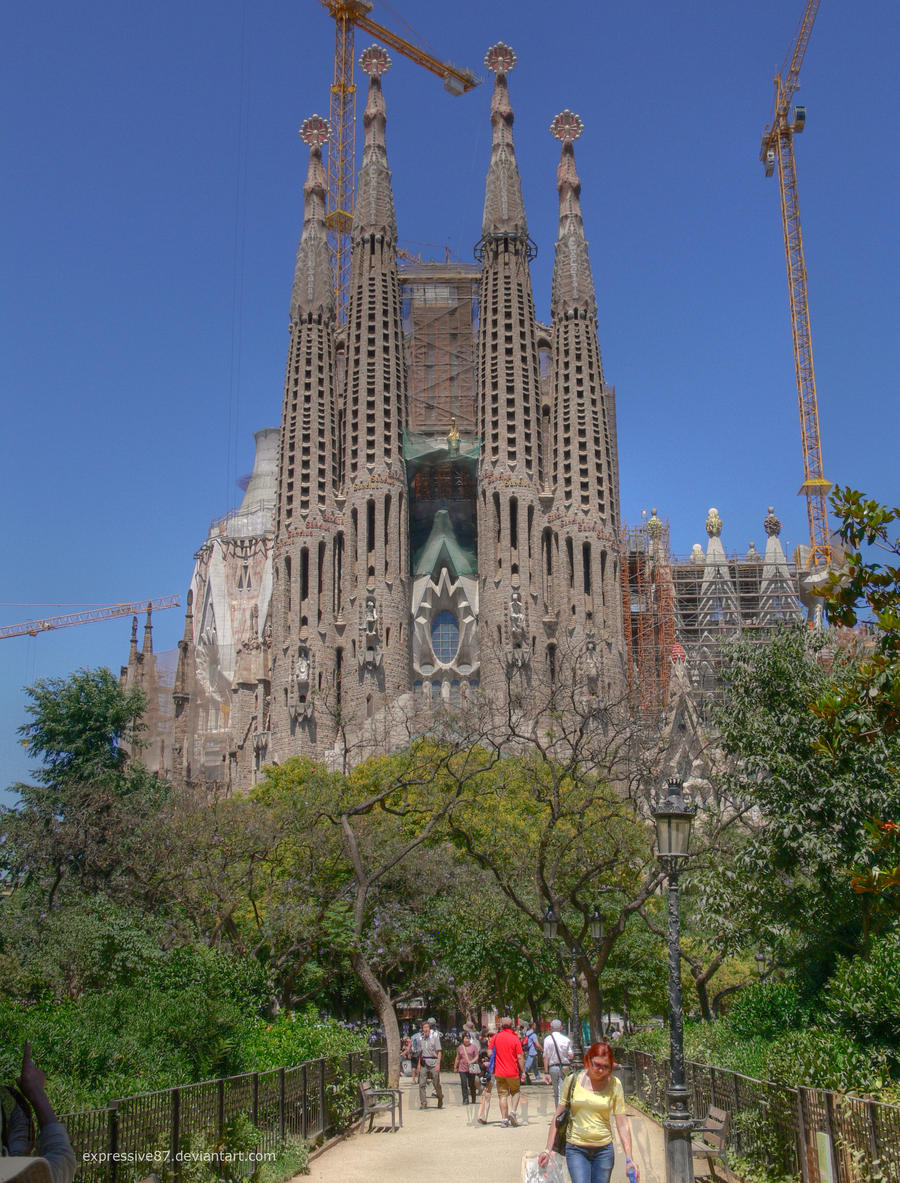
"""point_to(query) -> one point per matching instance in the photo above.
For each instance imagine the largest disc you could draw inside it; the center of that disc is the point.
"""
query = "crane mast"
(348, 16)
(777, 151)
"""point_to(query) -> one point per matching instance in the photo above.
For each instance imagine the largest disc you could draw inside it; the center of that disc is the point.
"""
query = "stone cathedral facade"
(416, 536)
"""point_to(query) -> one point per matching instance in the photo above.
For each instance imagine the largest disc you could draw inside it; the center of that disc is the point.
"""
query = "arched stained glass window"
(445, 637)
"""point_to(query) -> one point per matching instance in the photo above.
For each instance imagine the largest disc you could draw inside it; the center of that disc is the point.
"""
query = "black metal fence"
(810, 1135)
(152, 1133)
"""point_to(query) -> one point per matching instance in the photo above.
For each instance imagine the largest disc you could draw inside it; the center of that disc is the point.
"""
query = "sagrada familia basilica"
(438, 513)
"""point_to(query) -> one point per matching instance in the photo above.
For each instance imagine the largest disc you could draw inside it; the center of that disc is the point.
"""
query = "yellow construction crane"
(348, 16)
(777, 151)
(31, 628)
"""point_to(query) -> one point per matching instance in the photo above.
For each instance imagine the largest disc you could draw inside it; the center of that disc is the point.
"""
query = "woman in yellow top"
(595, 1097)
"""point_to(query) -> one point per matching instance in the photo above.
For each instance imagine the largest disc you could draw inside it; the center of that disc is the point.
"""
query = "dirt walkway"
(446, 1145)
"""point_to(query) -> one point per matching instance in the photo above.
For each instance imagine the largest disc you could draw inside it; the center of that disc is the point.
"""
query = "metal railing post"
(255, 1101)
(175, 1131)
(113, 1138)
(801, 1135)
(304, 1113)
(281, 1113)
(829, 1126)
(874, 1148)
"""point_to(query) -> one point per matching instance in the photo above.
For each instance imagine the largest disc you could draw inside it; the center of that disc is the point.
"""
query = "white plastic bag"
(554, 1172)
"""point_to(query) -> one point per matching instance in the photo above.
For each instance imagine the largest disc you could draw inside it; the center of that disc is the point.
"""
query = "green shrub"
(863, 997)
(766, 1009)
(824, 1059)
(294, 1037)
(292, 1159)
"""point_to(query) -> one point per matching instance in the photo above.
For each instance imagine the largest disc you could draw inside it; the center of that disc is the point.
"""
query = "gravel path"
(448, 1145)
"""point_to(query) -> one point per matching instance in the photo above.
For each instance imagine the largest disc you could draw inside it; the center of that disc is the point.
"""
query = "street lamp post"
(674, 815)
(551, 930)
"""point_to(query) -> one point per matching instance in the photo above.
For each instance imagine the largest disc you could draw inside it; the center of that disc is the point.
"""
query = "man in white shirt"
(558, 1053)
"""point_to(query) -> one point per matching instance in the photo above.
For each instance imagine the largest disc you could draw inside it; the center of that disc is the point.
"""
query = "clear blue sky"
(151, 210)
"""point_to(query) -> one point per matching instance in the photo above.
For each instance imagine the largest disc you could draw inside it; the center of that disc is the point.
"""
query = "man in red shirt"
(508, 1063)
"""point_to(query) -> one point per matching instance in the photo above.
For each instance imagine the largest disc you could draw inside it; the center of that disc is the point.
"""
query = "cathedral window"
(445, 637)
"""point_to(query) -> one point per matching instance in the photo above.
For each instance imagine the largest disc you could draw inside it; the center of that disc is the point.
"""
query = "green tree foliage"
(863, 998)
(78, 826)
(186, 1017)
(347, 837)
(868, 704)
(813, 811)
(863, 709)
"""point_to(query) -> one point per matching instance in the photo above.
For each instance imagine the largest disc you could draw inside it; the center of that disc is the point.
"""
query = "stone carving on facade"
(300, 690)
(459, 597)
(370, 654)
(517, 652)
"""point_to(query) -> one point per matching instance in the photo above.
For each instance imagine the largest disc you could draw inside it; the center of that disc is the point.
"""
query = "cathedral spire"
(375, 408)
(147, 647)
(504, 209)
(312, 294)
(374, 208)
(573, 286)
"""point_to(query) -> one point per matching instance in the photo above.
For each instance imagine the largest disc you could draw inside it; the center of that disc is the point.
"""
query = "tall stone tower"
(426, 541)
(308, 540)
(374, 654)
(512, 634)
(580, 546)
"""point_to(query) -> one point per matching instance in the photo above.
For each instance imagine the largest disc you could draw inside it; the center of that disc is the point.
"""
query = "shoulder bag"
(562, 1121)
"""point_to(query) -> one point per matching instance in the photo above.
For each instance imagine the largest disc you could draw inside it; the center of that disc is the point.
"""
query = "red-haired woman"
(595, 1098)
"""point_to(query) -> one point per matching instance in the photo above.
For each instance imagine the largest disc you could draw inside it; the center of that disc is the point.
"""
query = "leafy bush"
(294, 1037)
(765, 1010)
(825, 1059)
(863, 997)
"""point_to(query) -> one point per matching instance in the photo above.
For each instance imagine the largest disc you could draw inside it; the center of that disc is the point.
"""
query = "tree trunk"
(700, 984)
(595, 1004)
(381, 1000)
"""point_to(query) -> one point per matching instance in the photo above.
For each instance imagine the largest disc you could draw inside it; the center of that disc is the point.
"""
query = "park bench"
(711, 1143)
(378, 1100)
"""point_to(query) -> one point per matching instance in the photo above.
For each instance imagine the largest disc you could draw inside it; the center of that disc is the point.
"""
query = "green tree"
(345, 837)
(812, 810)
(79, 824)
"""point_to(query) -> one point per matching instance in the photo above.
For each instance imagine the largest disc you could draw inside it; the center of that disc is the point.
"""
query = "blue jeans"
(590, 1164)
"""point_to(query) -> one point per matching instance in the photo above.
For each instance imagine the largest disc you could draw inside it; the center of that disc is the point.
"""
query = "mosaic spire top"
(573, 284)
(504, 209)
(313, 288)
(374, 210)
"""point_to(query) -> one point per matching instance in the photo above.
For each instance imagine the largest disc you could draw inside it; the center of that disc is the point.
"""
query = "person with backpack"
(531, 1047)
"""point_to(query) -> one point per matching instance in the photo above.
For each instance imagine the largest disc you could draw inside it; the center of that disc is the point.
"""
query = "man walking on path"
(531, 1046)
(428, 1065)
(508, 1064)
(558, 1052)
